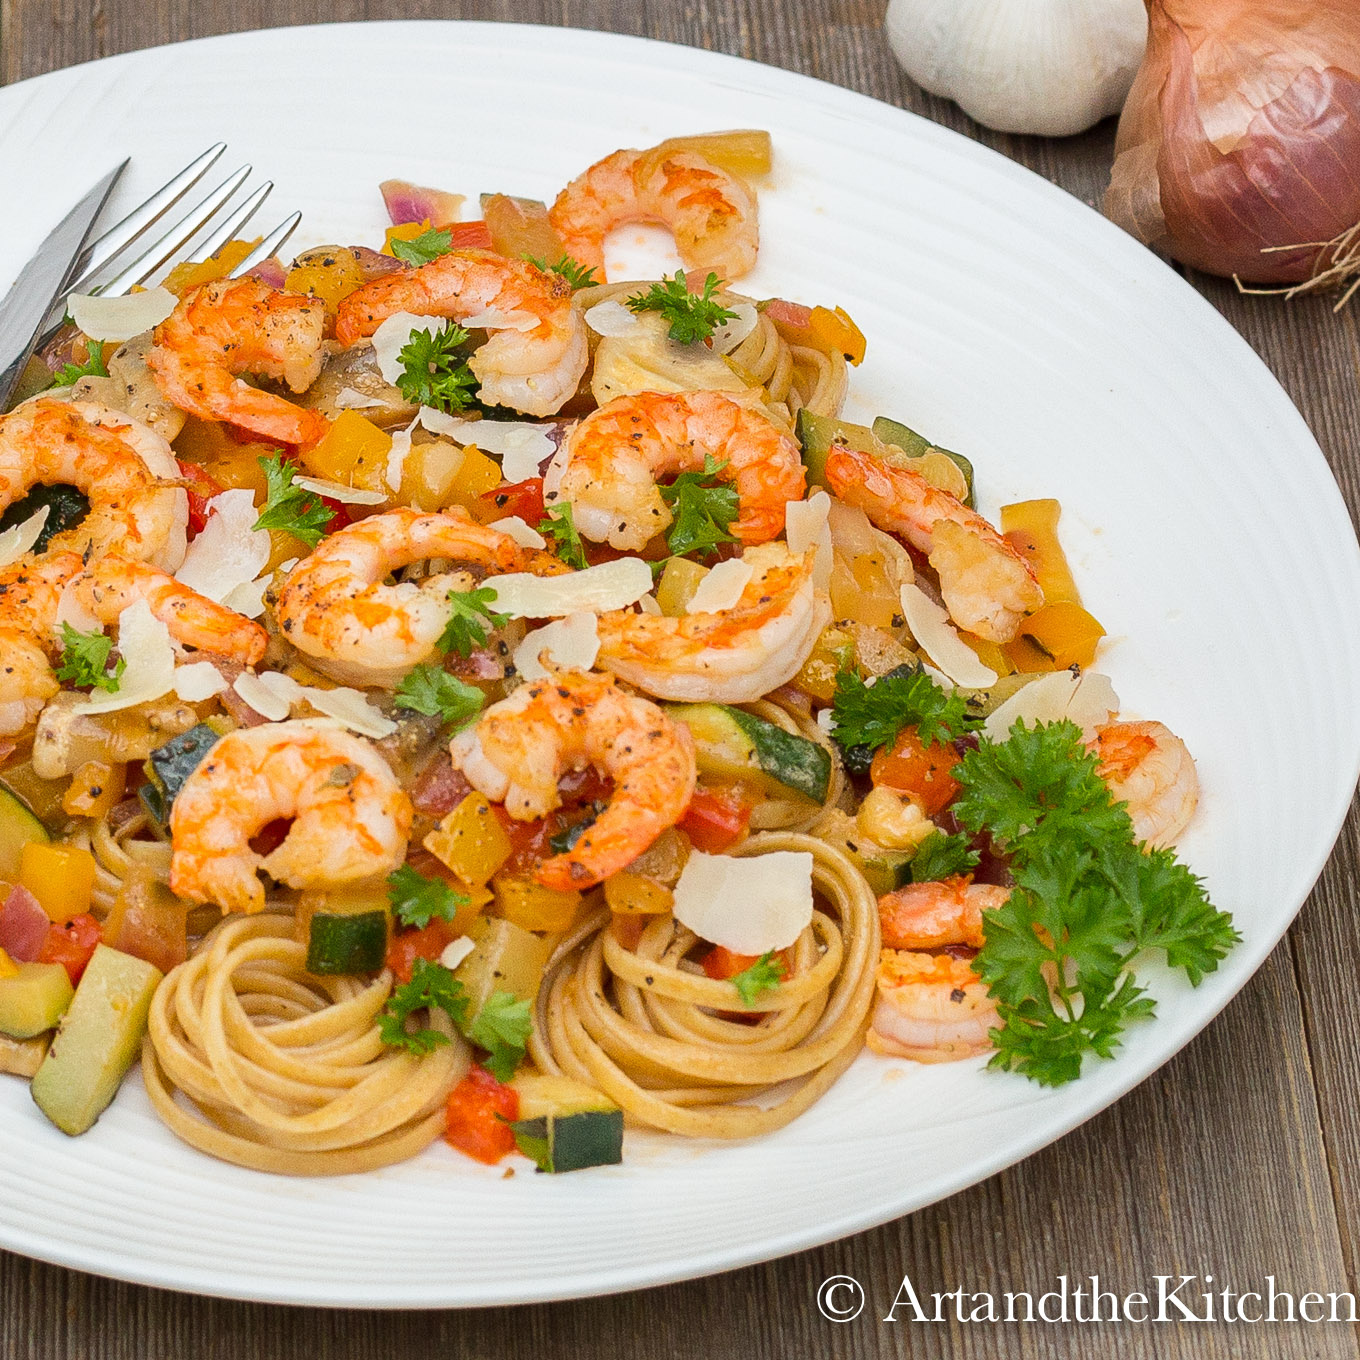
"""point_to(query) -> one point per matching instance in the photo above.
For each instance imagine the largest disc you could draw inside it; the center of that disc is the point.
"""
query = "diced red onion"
(373, 264)
(23, 925)
(407, 202)
(270, 272)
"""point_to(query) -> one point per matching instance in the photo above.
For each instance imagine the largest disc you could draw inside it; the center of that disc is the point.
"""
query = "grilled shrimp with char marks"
(336, 610)
(987, 586)
(610, 464)
(711, 212)
(234, 326)
(732, 656)
(350, 817)
(137, 507)
(521, 747)
(534, 370)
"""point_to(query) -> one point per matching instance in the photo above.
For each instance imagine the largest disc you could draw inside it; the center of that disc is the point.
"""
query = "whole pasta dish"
(452, 693)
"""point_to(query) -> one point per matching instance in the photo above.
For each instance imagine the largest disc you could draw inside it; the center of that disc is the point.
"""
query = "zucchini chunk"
(565, 1125)
(18, 827)
(917, 446)
(346, 929)
(100, 1036)
(733, 743)
(505, 958)
(169, 766)
(22, 1057)
(34, 999)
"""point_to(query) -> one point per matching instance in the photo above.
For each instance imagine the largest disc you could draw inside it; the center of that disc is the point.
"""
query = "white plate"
(1005, 319)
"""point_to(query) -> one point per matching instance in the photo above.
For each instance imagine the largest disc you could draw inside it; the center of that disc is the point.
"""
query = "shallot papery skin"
(1241, 135)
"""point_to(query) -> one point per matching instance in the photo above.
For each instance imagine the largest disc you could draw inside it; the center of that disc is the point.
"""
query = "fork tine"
(113, 242)
(175, 237)
(228, 230)
(268, 246)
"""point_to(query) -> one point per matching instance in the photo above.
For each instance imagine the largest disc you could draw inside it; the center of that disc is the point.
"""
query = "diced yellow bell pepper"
(61, 877)
(476, 475)
(832, 653)
(862, 592)
(680, 579)
(330, 275)
(519, 228)
(1032, 529)
(835, 331)
(745, 151)
(191, 274)
(8, 968)
(353, 452)
(407, 231)
(231, 464)
(470, 841)
(529, 905)
(95, 788)
(428, 473)
(283, 547)
(638, 895)
(1065, 633)
(991, 654)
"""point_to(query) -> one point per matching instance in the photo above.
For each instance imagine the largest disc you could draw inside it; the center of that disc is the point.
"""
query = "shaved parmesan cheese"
(493, 319)
(732, 332)
(198, 680)
(721, 588)
(262, 697)
(248, 598)
(569, 644)
(20, 538)
(456, 951)
(930, 627)
(521, 447)
(514, 527)
(649, 604)
(120, 318)
(611, 318)
(397, 455)
(337, 491)
(351, 399)
(1088, 700)
(273, 695)
(611, 585)
(71, 611)
(750, 905)
(229, 551)
(144, 644)
(808, 528)
(394, 335)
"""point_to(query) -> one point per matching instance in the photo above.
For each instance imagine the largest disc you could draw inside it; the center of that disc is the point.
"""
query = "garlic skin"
(1051, 67)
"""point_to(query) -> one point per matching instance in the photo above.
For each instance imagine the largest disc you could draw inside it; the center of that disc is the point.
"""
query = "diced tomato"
(201, 489)
(721, 963)
(469, 235)
(524, 499)
(531, 840)
(718, 816)
(912, 767)
(478, 1116)
(790, 313)
(439, 788)
(71, 944)
(410, 945)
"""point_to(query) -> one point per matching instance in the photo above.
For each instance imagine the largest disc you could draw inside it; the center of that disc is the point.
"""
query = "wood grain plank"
(1197, 1171)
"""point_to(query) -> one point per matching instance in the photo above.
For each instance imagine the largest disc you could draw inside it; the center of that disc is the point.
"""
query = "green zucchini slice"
(18, 826)
(565, 1125)
(735, 744)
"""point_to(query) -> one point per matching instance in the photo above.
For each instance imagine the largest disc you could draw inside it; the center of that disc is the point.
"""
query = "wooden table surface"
(1240, 1159)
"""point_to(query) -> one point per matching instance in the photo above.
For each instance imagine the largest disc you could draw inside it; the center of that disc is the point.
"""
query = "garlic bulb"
(1044, 66)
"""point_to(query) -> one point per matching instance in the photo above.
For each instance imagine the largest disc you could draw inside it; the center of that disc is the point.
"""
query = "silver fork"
(183, 238)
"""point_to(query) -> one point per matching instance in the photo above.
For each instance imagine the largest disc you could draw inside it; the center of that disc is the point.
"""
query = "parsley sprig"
(93, 367)
(423, 249)
(467, 625)
(870, 716)
(417, 900)
(578, 275)
(703, 509)
(85, 660)
(1087, 900)
(764, 975)
(941, 856)
(291, 508)
(693, 316)
(559, 524)
(431, 690)
(435, 370)
(501, 1027)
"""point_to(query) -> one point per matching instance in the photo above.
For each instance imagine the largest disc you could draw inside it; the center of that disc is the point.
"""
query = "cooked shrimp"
(987, 586)
(610, 464)
(929, 915)
(30, 597)
(522, 746)
(234, 326)
(137, 509)
(350, 817)
(335, 608)
(732, 656)
(534, 370)
(1150, 769)
(711, 212)
(931, 1007)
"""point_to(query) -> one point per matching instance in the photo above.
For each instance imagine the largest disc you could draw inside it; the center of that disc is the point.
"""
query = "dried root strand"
(1337, 266)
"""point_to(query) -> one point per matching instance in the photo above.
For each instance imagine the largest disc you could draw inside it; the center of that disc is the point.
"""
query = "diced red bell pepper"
(469, 235)
(426, 943)
(201, 489)
(910, 766)
(718, 816)
(721, 963)
(478, 1116)
(71, 944)
(524, 499)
